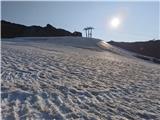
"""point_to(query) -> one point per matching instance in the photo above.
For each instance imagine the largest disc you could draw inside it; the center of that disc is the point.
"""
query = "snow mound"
(77, 42)
(103, 45)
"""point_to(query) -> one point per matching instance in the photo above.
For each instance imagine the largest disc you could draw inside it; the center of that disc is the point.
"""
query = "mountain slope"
(73, 78)
(10, 30)
(148, 48)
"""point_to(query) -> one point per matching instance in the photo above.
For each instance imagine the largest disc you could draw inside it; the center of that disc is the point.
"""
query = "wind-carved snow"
(60, 80)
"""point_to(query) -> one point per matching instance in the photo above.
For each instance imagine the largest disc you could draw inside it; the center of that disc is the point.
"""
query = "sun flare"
(115, 22)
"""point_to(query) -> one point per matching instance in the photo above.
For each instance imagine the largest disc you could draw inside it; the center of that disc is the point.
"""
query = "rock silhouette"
(10, 30)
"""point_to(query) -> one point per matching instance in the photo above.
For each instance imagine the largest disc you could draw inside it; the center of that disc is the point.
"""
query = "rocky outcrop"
(10, 30)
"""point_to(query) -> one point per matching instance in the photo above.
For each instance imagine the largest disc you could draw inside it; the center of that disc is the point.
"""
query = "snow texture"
(74, 78)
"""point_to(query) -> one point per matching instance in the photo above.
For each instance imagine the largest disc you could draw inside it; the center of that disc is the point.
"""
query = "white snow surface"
(74, 78)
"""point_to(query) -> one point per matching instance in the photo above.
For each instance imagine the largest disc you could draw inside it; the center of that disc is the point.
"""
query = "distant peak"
(49, 26)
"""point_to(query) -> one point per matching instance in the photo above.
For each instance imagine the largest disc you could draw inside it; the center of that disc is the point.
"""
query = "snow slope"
(76, 79)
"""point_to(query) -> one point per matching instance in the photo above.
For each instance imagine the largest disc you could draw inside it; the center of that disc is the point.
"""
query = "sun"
(115, 22)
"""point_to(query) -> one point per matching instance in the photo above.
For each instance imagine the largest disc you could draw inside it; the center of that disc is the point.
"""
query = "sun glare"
(115, 22)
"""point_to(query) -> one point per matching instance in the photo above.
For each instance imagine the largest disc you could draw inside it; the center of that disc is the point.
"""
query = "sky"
(138, 21)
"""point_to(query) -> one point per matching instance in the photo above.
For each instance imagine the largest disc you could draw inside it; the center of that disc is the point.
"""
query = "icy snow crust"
(73, 78)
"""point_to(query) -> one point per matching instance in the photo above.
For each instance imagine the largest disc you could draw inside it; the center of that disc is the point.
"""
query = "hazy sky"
(138, 20)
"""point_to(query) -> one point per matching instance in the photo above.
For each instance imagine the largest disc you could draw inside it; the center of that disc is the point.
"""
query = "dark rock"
(10, 30)
(77, 33)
